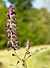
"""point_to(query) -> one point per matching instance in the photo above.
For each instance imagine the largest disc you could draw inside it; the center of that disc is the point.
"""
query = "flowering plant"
(13, 42)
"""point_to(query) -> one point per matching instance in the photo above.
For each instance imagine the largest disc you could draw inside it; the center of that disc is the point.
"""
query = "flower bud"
(9, 35)
(27, 44)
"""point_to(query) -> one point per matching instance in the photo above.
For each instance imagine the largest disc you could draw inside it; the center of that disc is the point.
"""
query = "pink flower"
(13, 39)
(28, 44)
(9, 35)
(13, 24)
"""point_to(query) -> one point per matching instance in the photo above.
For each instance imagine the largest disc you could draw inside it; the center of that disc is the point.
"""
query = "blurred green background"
(34, 24)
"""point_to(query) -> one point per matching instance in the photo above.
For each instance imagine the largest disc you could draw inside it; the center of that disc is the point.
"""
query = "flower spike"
(11, 31)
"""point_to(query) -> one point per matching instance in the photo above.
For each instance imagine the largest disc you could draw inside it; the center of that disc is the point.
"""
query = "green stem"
(25, 66)
(25, 55)
(35, 52)
(11, 34)
(17, 56)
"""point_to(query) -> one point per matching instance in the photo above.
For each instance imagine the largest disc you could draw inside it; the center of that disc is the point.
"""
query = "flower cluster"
(27, 46)
(11, 31)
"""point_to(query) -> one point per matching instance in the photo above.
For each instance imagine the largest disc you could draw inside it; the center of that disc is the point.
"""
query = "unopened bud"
(27, 44)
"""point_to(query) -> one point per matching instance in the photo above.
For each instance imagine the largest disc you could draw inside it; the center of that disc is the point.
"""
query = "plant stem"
(25, 66)
(17, 56)
(11, 34)
(35, 52)
(25, 55)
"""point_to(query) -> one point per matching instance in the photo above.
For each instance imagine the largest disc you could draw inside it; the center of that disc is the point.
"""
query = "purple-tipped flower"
(9, 48)
(13, 24)
(11, 31)
(15, 35)
(28, 44)
(13, 39)
(8, 42)
(9, 35)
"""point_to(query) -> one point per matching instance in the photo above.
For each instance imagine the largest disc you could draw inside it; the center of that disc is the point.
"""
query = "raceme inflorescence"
(11, 30)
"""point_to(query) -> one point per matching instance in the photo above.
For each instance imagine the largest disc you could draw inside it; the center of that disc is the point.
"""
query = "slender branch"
(35, 52)
(25, 66)
(25, 54)
(17, 56)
